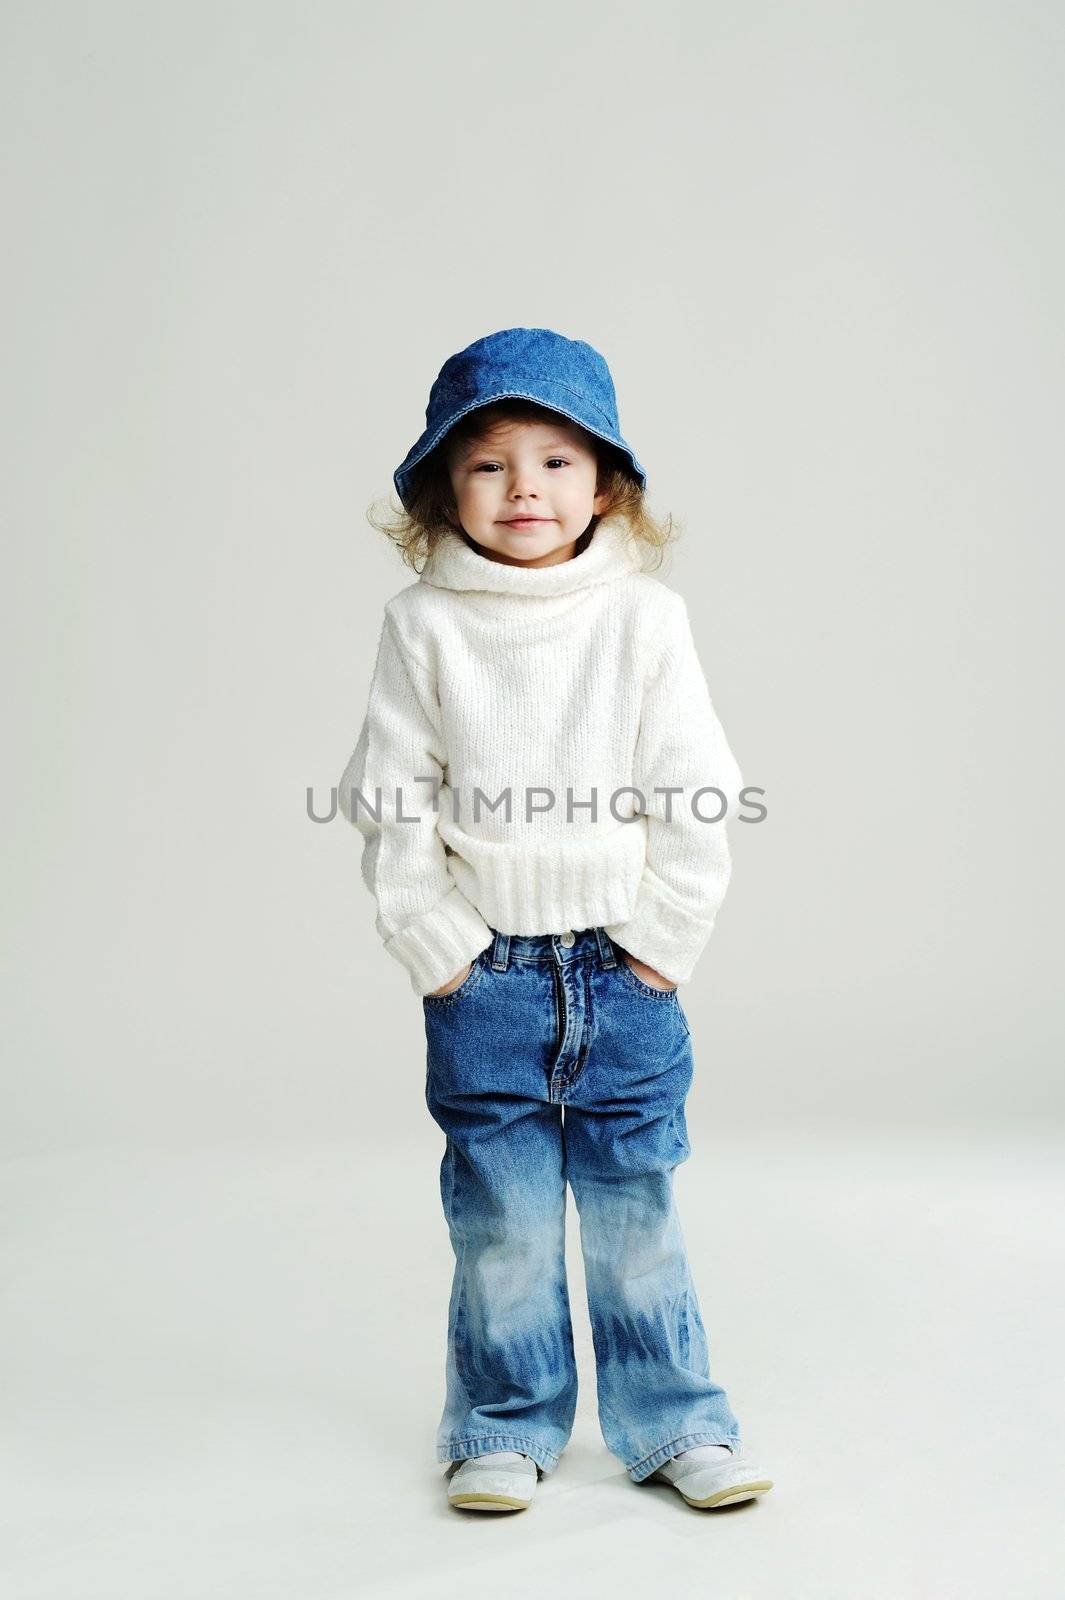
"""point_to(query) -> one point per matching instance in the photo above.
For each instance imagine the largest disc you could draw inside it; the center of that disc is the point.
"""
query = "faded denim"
(539, 1025)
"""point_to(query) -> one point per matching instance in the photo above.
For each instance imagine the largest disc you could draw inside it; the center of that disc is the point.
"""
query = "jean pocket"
(469, 982)
(637, 983)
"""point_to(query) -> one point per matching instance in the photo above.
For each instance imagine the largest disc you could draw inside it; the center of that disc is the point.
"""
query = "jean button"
(568, 939)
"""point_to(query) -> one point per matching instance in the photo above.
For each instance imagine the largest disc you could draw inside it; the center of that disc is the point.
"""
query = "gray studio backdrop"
(822, 250)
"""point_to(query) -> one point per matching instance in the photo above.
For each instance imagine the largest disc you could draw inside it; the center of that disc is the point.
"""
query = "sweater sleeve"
(423, 917)
(680, 745)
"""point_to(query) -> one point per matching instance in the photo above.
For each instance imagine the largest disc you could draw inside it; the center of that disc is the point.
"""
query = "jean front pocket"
(646, 989)
(469, 982)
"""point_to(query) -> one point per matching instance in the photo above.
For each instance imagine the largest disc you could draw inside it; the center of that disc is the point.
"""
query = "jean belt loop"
(607, 957)
(500, 951)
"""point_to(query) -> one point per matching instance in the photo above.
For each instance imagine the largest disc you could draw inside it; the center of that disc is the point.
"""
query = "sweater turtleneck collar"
(611, 553)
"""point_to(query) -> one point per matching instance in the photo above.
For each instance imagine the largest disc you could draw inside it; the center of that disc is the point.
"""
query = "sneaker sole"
(487, 1502)
(729, 1496)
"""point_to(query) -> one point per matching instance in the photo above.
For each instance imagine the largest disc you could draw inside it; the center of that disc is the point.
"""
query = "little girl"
(542, 785)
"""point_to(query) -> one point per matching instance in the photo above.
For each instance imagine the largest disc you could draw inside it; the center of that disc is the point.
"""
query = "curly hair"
(431, 512)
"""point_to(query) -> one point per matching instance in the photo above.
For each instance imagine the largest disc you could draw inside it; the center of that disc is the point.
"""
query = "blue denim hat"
(566, 375)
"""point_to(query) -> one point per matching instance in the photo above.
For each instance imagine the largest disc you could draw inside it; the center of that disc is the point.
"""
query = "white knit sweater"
(579, 677)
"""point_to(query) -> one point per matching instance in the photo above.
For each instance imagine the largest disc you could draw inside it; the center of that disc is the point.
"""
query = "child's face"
(541, 470)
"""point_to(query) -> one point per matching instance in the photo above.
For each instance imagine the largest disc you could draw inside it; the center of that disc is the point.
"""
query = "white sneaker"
(500, 1481)
(711, 1484)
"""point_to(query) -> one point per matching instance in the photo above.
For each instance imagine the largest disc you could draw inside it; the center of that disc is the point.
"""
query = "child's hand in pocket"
(453, 983)
(650, 976)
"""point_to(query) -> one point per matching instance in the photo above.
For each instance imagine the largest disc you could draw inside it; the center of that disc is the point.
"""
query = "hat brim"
(545, 397)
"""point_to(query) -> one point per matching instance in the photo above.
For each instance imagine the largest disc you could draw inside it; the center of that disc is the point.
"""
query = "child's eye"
(493, 466)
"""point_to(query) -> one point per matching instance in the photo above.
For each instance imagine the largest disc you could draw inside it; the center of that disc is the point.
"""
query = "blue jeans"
(542, 1023)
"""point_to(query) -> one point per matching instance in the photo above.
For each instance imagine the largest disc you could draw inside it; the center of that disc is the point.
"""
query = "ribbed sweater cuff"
(661, 932)
(441, 942)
